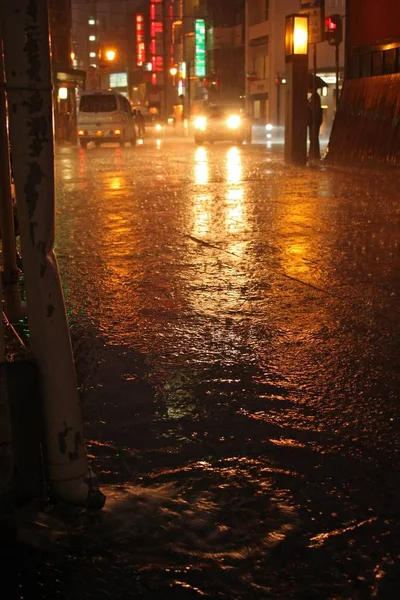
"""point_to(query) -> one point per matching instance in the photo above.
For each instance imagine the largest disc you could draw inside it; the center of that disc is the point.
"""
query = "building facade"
(104, 38)
(367, 125)
(66, 78)
(265, 60)
(226, 50)
(155, 61)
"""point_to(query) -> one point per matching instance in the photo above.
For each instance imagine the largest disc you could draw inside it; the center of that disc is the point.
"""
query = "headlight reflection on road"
(235, 209)
(234, 216)
(222, 222)
(115, 183)
(201, 166)
(234, 165)
(236, 220)
(201, 216)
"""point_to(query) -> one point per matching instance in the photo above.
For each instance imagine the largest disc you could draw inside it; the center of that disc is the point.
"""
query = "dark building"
(226, 54)
(65, 77)
(373, 38)
(104, 41)
(367, 124)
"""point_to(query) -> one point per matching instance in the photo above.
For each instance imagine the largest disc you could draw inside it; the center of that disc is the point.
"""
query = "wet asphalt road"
(235, 324)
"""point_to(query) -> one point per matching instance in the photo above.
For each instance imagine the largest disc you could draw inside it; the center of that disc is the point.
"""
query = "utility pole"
(9, 275)
(189, 98)
(29, 90)
(165, 56)
(246, 59)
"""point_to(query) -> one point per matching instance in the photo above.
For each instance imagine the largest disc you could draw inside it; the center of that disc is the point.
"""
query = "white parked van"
(105, 116)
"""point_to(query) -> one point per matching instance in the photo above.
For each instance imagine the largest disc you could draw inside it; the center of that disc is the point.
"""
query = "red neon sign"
(140, 45)
(156, 35)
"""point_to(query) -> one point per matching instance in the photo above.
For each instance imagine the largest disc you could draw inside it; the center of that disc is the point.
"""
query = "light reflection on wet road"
(235, 325)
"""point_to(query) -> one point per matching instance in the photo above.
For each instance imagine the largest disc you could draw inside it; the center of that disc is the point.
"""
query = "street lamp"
(110, 55)
(296, 50)
(296, 35)
(173, 71)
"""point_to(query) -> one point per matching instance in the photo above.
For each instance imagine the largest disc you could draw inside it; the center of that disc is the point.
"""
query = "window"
(92, 22)
(92, 54)
(126, 107)
(98, 103)
(390, 61)
(92, 38)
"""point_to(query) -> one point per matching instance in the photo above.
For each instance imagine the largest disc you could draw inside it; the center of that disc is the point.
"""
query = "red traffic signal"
(334, 30)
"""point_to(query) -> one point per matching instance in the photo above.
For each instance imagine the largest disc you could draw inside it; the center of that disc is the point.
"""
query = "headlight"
(158, 127)
(234, 121)
(200, 123)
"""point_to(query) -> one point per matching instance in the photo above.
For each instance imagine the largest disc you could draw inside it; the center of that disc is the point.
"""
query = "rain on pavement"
(235, 324)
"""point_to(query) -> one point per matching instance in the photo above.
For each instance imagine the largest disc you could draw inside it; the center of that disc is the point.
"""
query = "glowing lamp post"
(296, 35)
(296, 50)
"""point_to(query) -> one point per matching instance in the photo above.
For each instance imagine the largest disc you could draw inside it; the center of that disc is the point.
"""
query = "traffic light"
(334, 30)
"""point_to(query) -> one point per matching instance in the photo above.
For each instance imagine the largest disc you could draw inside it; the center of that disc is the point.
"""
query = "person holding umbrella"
(314, 115)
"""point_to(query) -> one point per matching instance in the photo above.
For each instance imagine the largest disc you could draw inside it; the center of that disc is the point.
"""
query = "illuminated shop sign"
(118, 80)
(156, 38)
(200, 47)
(140, 46)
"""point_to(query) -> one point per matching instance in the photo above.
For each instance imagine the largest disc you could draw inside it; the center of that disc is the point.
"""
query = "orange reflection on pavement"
(116, 183)
(201, 166)
(236, 220)
(234, 165)
(201, 215)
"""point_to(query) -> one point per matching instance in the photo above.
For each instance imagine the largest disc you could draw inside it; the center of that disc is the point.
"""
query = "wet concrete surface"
(235, 324)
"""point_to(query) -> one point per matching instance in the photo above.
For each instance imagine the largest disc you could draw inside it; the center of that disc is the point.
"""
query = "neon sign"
(156, 37)
(140, 46)
(200, 47)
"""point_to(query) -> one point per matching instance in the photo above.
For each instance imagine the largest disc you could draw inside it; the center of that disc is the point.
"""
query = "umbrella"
(320, 83)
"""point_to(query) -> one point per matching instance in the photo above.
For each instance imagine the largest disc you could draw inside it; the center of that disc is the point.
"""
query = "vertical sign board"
(200, 47)
(316, 23)
(140, 47)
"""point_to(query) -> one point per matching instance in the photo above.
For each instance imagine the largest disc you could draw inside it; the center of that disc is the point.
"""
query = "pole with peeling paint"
(6, 447)
(29, 91)
(12, 299)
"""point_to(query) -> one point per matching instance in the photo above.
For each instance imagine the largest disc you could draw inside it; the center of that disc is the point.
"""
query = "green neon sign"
(200, 47)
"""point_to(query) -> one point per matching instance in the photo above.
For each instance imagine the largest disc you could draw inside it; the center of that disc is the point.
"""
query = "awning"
(69, 77)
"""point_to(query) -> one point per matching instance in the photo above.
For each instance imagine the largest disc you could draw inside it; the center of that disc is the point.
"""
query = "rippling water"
(235, 330)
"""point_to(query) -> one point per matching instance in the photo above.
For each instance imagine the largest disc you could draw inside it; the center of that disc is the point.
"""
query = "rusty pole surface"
(29, 89)
(12, 299)
(6, 452)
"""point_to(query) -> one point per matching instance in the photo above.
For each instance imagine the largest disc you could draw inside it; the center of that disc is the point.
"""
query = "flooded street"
(235, 324)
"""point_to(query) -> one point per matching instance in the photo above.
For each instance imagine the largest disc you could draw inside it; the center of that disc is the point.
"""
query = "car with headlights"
(105, 116)
(220, 122)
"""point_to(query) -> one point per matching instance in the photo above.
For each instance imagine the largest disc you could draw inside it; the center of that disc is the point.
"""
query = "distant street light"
(173, 72)
(110, 55)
